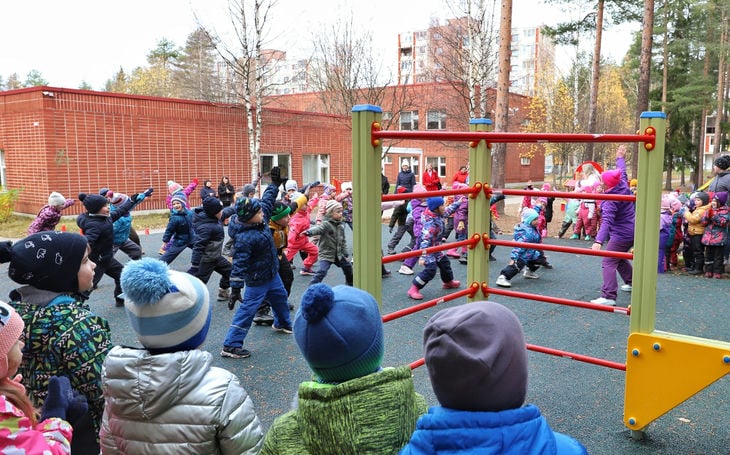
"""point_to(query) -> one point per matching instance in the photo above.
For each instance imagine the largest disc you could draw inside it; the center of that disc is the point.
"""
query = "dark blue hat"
(340, 332)
(212, 205)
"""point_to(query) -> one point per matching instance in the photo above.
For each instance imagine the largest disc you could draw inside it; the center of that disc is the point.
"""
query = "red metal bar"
(556, 300)
(558, 248)
(418, 363)
(568, 195)
(578, 357)
(471, 242)
(470, 291)
(474, 190)
(491, 136)
(555, 352)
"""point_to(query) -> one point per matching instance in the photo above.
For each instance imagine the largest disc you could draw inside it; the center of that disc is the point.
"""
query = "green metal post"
(479, 215)
(367, 234)
(646, 233)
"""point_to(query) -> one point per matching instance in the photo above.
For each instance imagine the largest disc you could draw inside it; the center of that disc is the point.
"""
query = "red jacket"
(430, 180)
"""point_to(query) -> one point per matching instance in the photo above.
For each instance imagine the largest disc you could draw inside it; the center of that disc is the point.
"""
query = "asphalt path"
(580, 399)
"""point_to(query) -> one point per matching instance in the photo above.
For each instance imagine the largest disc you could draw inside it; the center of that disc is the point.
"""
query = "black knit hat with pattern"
(46, 260)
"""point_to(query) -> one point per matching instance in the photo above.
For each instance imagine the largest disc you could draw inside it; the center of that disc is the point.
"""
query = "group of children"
(165, 393)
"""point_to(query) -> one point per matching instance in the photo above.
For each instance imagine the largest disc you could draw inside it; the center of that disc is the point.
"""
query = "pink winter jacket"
(51, 436)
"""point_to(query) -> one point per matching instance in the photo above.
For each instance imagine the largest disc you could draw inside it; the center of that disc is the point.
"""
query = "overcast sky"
(89, 40)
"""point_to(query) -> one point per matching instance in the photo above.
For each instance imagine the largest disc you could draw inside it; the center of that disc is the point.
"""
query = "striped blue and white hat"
(169, 310)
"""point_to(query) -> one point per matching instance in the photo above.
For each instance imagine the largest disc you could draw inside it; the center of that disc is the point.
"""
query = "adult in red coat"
(430, 179)
(462, 176)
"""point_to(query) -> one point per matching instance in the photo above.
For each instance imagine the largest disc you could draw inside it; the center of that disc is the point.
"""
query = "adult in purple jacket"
(617, 228)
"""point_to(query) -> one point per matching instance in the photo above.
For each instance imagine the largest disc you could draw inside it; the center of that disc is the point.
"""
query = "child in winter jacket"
(97, 224)
(432, 235)
(301, 221)
(716, 221)
(62, 336)
(332, 244)
(352, 405)
(520, 257)
(477, 363)
(169, 383)
(49, 216)
(179, 233)
(256, 265)
(208, 234)
(695, 229)
(417, 207)
(20, 430)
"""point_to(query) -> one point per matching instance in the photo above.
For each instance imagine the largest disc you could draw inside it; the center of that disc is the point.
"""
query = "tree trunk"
(720, 86)
(502, 107)
(642, 97)
(595, 77)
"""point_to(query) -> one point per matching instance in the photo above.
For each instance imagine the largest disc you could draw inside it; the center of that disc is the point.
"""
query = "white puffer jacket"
(175, 403)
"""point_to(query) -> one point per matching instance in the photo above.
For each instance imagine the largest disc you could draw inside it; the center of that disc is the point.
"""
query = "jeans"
(273, 292)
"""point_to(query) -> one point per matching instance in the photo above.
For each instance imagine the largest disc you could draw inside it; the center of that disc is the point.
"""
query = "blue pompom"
(317, 301)
(145, 281)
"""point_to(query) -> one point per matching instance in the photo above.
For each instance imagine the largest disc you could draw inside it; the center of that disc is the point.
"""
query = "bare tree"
(464, 54)
(251, 66)
(345, 72)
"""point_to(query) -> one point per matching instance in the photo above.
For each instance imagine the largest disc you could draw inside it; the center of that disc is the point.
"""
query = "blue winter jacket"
(521, 431)
(123, 225)
(255, 259)
(180, 228)
(617, 218)
(525, 233)
(208, 236)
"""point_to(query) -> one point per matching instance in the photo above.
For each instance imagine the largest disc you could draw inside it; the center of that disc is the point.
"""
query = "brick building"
(71, 141)
(435, 106)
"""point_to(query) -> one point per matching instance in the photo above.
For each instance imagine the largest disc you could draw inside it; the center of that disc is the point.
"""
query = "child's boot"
(453, 253)
(223, 295)
(415, 293)
(708, 274)
(453, 284)
(574, 237)
(263, 315)
(717, 275)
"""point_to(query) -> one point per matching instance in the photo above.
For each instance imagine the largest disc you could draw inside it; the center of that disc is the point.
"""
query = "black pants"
(113, 269)
(510, 271)
(220, 265)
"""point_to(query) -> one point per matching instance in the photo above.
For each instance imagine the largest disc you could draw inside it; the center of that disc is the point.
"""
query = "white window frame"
(436, 117)
(524, 161)
(438, 163)
(410, 119)
(269, 160)
(315, 167)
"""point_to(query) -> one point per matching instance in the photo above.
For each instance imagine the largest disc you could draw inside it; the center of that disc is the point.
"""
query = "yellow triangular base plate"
(664, 369)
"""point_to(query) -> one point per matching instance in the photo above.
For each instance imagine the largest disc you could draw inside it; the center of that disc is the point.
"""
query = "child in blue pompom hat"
(352, 405)
(169, 383)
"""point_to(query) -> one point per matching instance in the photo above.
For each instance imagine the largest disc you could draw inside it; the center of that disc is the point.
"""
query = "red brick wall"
(79, 141)
(442, 96)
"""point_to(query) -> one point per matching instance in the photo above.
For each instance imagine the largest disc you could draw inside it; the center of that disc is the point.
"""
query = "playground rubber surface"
(577, 398)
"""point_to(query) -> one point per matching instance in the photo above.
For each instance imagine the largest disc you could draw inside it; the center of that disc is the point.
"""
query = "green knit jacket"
(374, 414)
